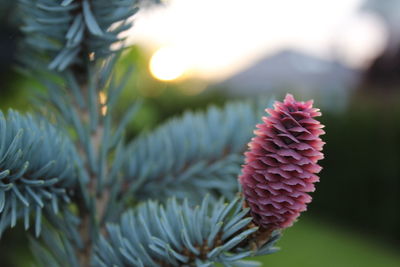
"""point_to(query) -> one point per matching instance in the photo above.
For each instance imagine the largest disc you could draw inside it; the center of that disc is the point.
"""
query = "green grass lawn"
(310, 243)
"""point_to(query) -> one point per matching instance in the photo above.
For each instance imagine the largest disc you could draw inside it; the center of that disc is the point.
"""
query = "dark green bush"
(360, 183)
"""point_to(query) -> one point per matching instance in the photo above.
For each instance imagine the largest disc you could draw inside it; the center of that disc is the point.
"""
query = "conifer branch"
(196, 154)
(37, 169)
(181, 235)
(81, 177)
(61, 34)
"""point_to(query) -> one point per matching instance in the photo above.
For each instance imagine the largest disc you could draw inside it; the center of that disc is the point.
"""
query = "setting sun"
(167, 64)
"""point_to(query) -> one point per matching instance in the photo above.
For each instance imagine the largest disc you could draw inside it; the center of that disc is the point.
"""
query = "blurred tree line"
(360, 182)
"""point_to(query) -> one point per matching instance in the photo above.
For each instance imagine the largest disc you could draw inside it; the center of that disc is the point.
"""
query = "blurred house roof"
(295, 72)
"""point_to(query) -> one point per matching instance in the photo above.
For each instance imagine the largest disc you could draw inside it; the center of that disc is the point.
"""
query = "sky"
(215, 39)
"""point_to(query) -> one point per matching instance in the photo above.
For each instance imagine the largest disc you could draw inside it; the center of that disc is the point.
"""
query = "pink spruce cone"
(281, 163)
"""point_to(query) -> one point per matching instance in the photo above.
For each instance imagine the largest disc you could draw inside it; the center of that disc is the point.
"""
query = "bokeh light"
(167, 64)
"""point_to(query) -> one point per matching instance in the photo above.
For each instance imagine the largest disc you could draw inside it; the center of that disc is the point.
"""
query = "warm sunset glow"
(221, 38)
(167, 64)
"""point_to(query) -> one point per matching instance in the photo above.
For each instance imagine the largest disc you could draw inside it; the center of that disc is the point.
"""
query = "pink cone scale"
(281, 163)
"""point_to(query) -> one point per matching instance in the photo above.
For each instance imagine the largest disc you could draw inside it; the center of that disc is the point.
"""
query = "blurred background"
(345, 54)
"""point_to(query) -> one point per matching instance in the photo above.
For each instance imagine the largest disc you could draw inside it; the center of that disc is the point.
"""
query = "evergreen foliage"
(179, 235)
(37, 169)
(96, 199)
(201, 153)
(61, 32)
